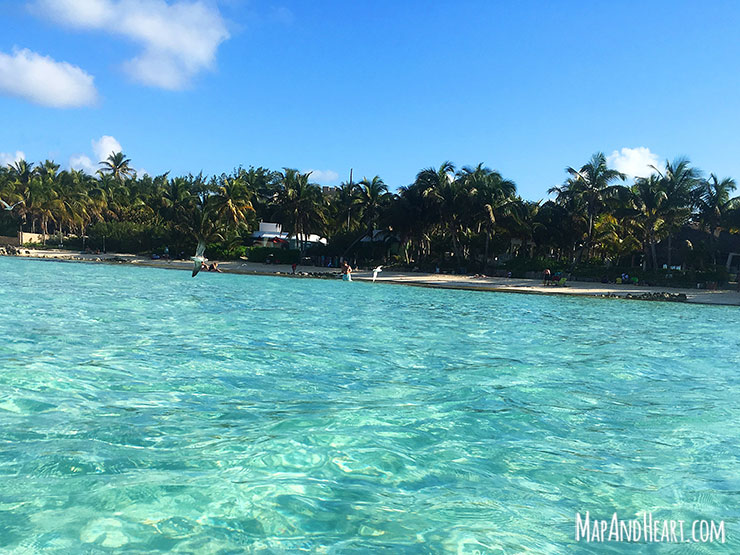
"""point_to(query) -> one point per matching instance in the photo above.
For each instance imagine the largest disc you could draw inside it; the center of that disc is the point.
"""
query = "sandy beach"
(418, 279)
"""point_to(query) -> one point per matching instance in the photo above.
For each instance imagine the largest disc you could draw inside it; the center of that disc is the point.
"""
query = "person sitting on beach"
(346, 272)
(546, 277)
(214, 268)
(204, 266)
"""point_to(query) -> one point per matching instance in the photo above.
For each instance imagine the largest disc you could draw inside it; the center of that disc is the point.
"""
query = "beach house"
(272, 235)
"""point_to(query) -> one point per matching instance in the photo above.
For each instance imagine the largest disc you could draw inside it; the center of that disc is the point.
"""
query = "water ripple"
(145, 411)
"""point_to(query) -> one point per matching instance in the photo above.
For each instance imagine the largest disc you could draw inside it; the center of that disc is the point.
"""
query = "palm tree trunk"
(645, 251)
(455, 242)
(590, 234)
(655, 258)
(670, 245)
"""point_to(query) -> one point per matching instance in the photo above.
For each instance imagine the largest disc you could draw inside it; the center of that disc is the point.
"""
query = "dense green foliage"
(471, 218)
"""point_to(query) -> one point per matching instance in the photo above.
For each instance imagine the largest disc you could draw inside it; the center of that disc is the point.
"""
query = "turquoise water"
(144, 410)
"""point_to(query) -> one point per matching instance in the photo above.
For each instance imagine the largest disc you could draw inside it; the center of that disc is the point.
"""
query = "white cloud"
(179, 38)
(322, 176)
(105, 146)
(42, 80)
(635, 162)
(8, 158)
(82, 162)
(102, 148)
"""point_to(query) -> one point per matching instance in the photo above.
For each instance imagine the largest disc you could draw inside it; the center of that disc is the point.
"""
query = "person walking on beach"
(546, 276)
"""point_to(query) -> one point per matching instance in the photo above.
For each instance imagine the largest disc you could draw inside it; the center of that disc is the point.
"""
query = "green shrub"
(129, 237)
(224, 251)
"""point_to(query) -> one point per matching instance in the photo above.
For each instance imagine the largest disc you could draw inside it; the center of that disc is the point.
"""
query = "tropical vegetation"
(467, 218)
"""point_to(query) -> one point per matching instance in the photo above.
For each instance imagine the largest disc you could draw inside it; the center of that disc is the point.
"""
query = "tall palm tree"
(524, 221)
(21, 171)
(591, 186)
(372, 198)
(48, 169)
(493, 194)
(300, 205)
(117, 166)
(232, 201)
(617, 234)
(651, 203)
(714, 204)
(176, 196)
(198, 221)
(678, 180)
(48, 204)
(346, 200)
(450, 198)
(409, 217)
(206, 217)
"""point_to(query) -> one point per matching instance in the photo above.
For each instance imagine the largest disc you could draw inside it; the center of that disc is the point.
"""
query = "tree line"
(468, 216)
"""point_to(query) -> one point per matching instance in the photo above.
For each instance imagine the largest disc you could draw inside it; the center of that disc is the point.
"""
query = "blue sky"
(384, 87)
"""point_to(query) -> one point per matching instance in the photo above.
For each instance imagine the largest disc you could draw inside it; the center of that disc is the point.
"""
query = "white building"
(272, 235)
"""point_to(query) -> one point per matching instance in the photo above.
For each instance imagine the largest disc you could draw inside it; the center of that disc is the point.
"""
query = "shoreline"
(415, 279)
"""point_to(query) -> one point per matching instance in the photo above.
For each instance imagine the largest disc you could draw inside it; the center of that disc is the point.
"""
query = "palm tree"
(346, 199)
(450, 198)
(48, 170)
(21, 171)
(409, 217)
(205, 216)
(48, 205)
(714, 204)
(651, 203)
(524, 222)
(591, 187)
(300, 205)
(372, 198)
(493, 195)
(263, 184)
(176, 197)
(199, 222)
(117, 166)
(231, 201)
(678, 180)
(617, 235)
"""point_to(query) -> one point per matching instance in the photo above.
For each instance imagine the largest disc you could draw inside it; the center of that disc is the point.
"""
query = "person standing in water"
(346, 272)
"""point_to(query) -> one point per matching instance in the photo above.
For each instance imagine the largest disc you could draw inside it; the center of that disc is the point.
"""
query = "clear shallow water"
(144, 410)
